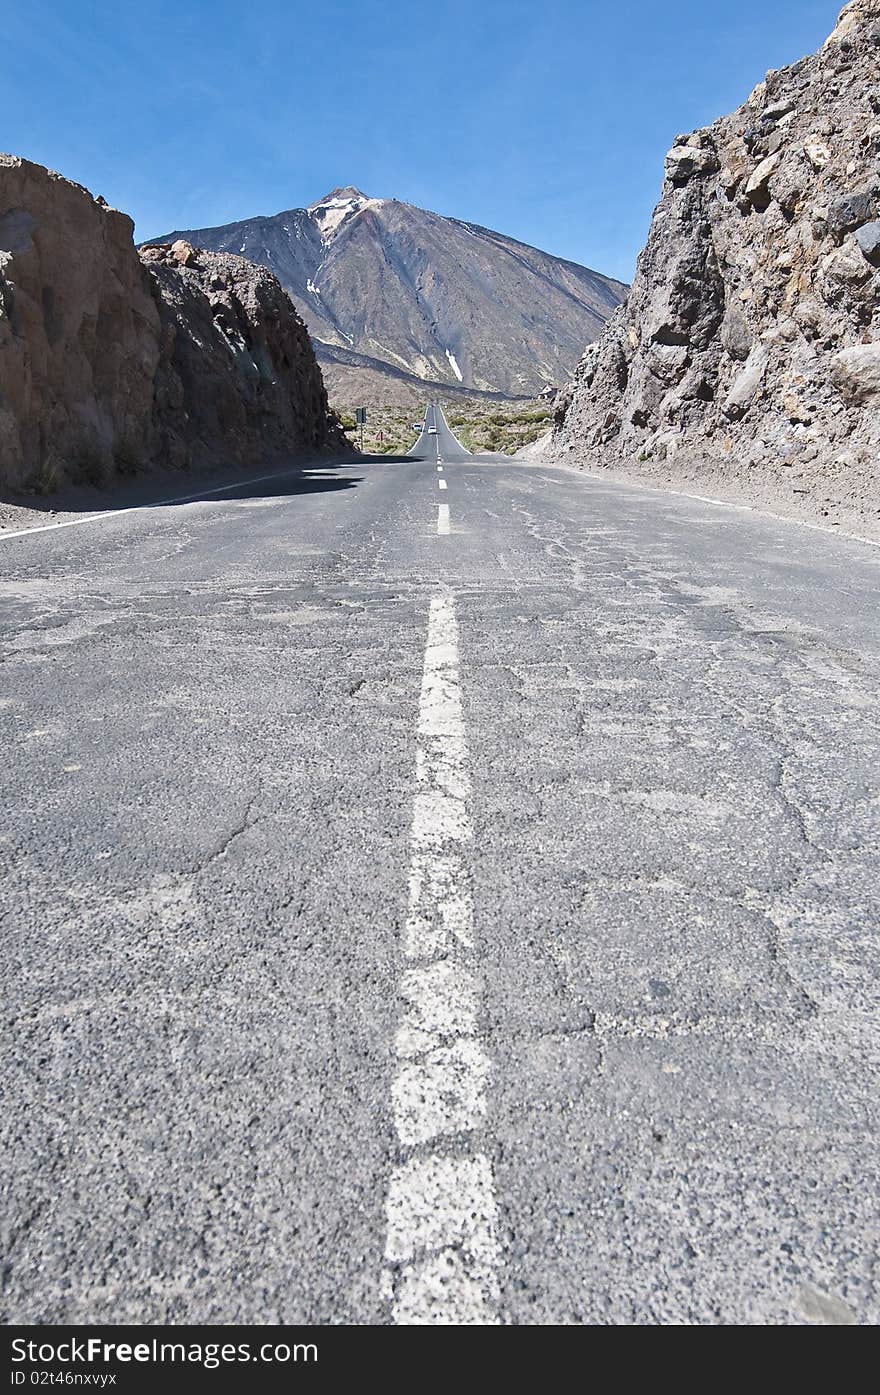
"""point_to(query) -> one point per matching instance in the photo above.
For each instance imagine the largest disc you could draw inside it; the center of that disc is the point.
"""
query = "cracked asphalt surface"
(208, 720)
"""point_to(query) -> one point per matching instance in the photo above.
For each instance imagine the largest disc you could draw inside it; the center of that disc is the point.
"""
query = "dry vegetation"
(389, 430)
(500, 427)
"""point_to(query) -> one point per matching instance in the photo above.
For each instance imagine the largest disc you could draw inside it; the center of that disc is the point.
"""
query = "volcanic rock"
(762, 268)
(111, 361)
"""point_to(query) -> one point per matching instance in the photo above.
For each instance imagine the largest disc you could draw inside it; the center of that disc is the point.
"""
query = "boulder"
(848, 212)
(758, 183)
(184, 253)
(845, 265)
(736, 336)
(855, 372)
(868, 239)
(817, 152)
(747, 383)
(684, 161)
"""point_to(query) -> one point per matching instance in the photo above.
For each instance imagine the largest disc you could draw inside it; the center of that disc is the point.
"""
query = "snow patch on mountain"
(454, 366)
(330, 213)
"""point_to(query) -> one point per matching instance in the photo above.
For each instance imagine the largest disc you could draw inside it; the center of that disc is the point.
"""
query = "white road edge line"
(142, 508)
(710, 499)
(763, 513)
(442, 1251)
(442, 518)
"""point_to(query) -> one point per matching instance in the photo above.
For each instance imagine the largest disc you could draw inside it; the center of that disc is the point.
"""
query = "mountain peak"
(348, 194)
(337, 207)
(396, 296)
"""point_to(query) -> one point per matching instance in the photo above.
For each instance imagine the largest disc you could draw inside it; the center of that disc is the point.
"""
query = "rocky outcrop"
(111, 361)
(752, 332)
(237, 369)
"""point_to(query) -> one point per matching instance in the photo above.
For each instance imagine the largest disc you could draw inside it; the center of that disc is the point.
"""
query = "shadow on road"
(164, 490)
(367, 459)
(307, 482)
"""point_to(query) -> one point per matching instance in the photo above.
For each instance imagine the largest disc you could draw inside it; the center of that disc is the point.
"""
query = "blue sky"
(545, 119)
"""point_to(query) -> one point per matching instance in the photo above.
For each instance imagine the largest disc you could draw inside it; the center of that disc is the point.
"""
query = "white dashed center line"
(442, 484)
(442, 1246)
(442, 518)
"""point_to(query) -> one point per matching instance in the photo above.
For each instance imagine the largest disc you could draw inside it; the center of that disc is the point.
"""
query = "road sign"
(360, 416)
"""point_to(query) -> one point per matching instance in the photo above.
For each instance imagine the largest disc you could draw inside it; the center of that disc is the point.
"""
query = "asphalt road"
(418, 925)
(437, 442)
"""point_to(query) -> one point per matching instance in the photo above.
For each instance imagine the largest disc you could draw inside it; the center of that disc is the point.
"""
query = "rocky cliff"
(750, 343)
(111, 361)
(394, 295)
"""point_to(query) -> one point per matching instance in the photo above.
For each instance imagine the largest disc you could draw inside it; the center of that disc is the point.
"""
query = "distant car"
(418, 426)
(432, 431)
